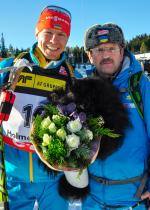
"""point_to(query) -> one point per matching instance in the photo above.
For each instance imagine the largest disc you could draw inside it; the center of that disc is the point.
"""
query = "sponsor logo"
(56, 18)
(17, 137)
(24, 79)
(40, 82)
(62, 71)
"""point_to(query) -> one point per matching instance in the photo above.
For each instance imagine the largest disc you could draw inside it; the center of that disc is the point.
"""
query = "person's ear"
(90, 56)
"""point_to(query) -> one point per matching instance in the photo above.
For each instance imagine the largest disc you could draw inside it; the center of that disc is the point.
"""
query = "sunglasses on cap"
(57, 8)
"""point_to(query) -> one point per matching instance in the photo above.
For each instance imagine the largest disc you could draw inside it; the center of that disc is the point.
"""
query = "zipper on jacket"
(30, 167)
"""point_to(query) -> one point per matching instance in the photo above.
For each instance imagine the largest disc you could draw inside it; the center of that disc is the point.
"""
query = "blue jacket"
(131, 158)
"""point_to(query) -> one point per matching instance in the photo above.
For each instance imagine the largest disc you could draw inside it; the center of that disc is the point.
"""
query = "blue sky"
(18, 18)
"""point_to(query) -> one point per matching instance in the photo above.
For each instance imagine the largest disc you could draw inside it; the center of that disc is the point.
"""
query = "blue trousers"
(21, 196)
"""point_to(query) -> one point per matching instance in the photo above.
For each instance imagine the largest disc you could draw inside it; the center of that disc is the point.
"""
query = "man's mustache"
(106, 60)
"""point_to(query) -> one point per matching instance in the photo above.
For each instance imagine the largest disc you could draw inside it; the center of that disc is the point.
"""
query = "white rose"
(52, 128)
(74, 125)
(61, 133)
(46, 122)
(46, 139)
(73, 141)
(56, 119)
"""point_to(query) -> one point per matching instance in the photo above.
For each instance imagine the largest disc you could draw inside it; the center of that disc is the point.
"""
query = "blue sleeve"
(3, 64)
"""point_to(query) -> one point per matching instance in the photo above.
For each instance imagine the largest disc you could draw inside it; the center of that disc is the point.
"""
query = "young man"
(117, 179)
(27, 180)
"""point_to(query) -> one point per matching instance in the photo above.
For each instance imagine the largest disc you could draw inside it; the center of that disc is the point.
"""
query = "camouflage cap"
(99, 34)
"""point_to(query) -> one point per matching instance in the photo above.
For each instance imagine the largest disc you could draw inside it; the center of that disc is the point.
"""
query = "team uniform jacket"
(31, 93)
(131, 158)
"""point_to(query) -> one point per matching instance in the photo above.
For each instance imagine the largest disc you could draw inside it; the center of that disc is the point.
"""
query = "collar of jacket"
(38, 58)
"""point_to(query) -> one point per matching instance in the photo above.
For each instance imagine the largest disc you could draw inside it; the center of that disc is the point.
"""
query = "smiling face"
(107, 58)
(52, 43)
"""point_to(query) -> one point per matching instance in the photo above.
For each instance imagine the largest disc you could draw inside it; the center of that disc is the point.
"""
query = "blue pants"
(21, 196)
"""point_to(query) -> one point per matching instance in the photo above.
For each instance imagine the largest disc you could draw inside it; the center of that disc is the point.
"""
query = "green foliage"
(136, 43)
(52, 110)
(83, 152)
(100, 130)
(64, 140)
(9, 52)
(143, 48)
(35, 137)
(106, 132)
(56, 152)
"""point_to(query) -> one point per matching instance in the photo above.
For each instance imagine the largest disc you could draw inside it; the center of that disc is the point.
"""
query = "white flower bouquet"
(65, 139)
(84, 122)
